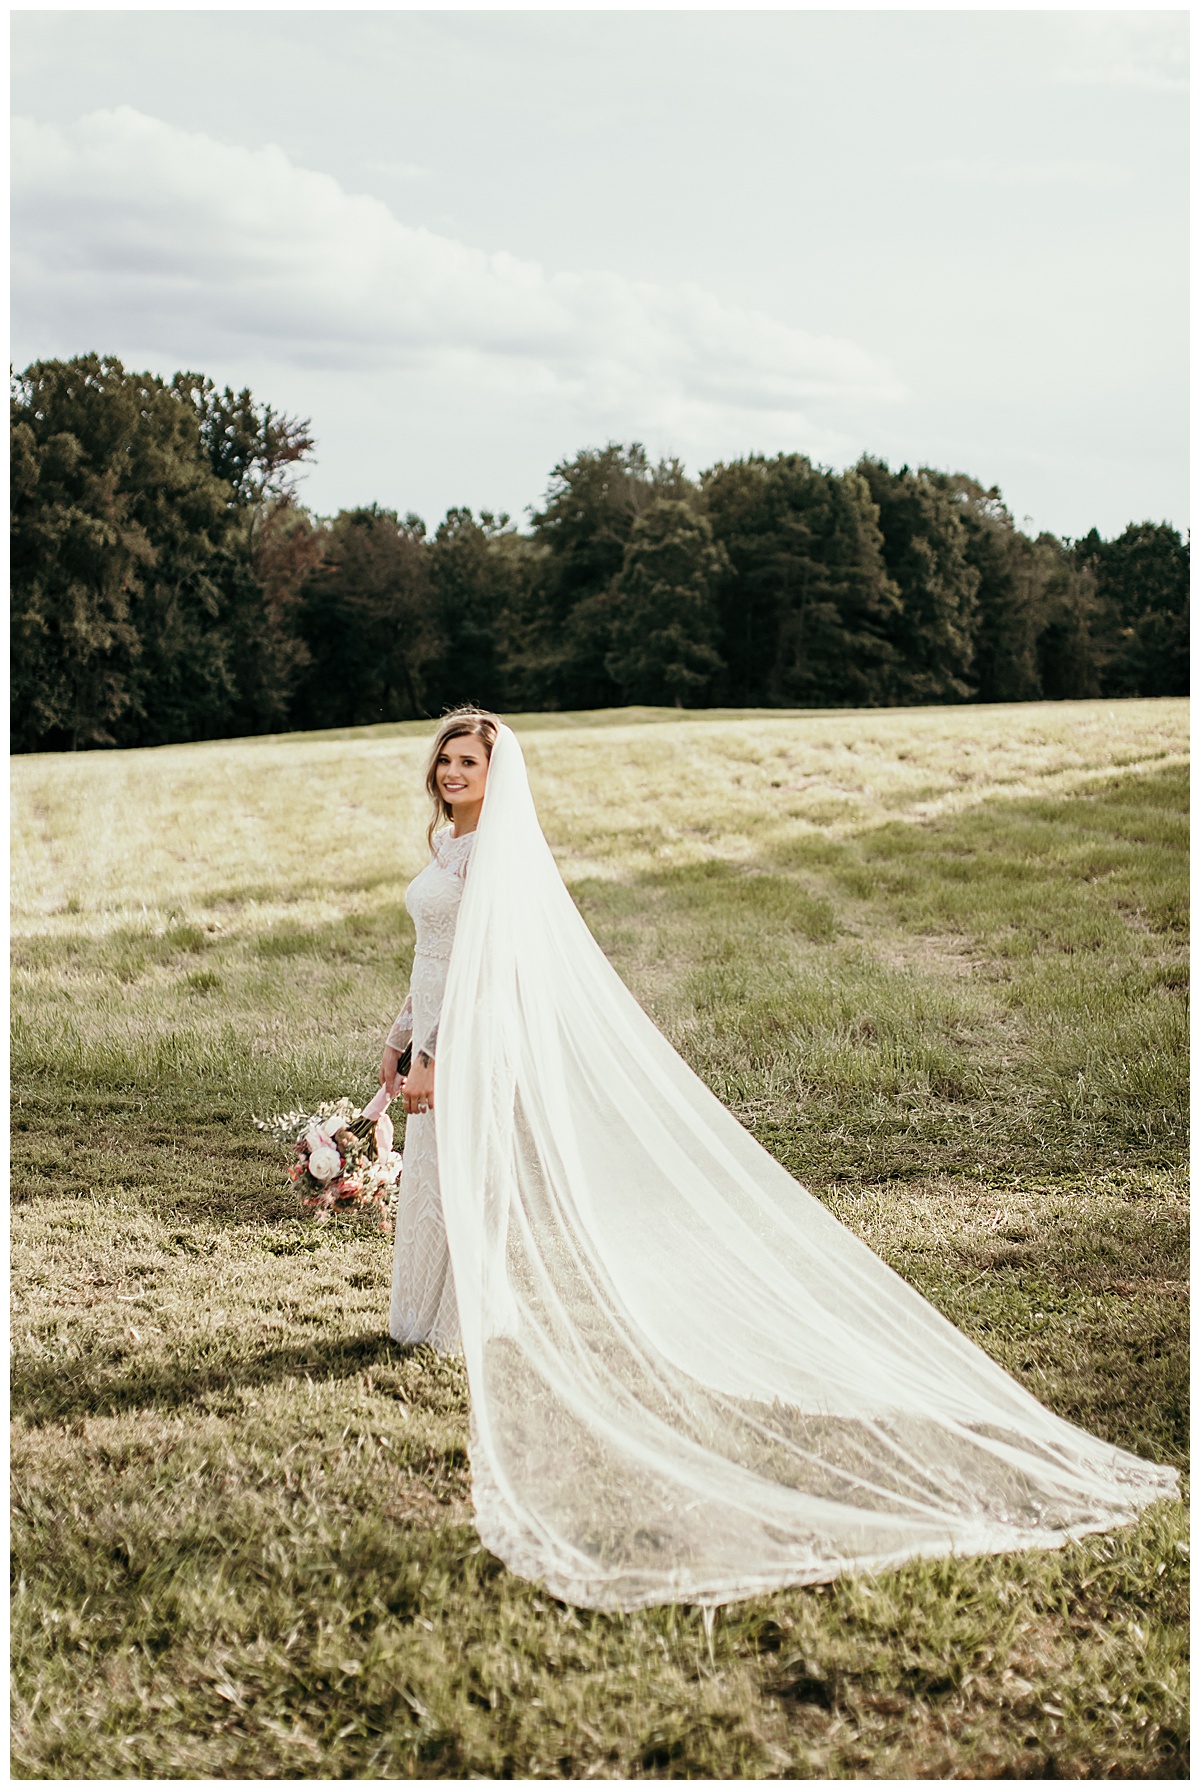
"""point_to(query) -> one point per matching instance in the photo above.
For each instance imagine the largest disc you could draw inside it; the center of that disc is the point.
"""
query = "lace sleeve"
(402, 1027)
(429, 1048)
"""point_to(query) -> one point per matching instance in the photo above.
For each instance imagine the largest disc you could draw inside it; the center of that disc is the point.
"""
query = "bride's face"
(462, 769)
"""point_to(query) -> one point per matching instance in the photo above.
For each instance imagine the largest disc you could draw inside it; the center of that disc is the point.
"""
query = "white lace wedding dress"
(424, 1307)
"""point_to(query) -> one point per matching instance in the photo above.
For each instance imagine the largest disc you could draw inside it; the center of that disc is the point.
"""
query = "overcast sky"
(468, 244)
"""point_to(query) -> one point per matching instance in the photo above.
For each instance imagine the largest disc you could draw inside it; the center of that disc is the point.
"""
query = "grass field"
(934, 959)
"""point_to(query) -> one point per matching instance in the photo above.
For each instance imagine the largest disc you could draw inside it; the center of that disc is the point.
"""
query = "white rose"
(324, 1163)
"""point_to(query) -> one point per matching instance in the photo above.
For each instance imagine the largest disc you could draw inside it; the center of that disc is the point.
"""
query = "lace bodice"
(432, 900)
(433, 897)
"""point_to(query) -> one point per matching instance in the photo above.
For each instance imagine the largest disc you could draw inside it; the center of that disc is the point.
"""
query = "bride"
(688, 1381)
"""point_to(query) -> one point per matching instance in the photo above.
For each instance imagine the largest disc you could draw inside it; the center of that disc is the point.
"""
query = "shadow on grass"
(198, 1173)
(120, 1384)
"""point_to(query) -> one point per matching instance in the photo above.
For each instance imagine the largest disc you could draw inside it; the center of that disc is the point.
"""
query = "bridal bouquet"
(343, 1157)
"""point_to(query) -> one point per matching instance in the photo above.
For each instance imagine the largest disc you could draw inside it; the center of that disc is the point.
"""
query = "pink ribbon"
(376, 1108)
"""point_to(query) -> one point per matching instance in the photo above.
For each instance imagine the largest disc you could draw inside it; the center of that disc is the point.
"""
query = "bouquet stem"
(371, 1112)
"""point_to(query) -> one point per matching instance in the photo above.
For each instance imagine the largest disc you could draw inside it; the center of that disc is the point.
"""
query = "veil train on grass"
(688, 1381)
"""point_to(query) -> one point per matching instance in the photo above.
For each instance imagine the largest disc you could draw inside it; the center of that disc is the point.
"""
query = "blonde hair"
(465, 722)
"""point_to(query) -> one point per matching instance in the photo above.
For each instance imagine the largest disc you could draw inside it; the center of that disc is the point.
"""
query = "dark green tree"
(167, 584)
(665, 628)
(807, 608)
(925, 550)
(1008, 607)
(254, 448)
(367, 622)
(1067, 657)
(1142, 598)
(138, 616)
(287, 546)
(479, 573)
(213, 660)
(76, 554)
(1036, 608)
(583, 528)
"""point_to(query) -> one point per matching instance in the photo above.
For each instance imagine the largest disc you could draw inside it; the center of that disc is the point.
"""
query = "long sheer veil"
(688, 1380)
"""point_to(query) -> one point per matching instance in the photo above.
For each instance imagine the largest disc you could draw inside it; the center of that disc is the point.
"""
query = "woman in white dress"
(424, 1308)
(688, 1381)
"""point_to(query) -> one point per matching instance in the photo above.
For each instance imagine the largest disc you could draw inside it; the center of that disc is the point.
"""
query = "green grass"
(935, 960)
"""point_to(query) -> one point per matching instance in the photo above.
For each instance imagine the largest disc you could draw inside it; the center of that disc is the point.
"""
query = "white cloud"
(1128, 49)
(127, 229)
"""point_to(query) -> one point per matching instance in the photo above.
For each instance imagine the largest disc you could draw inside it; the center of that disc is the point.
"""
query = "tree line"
(168, 584)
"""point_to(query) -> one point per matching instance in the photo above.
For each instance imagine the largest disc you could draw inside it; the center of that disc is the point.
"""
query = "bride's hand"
(418, 1087)
(389, 1077)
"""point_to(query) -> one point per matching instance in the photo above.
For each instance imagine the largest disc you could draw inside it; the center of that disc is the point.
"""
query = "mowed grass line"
(243, 1538)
